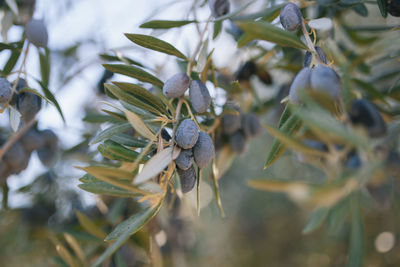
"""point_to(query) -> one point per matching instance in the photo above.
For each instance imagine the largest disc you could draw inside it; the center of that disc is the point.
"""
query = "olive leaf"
(90, 226)
(317, 218)
(156, 44)
(143, 94)
(103, 188)
(134, 72)
(266, 31)
(114, 151)
(139, 125)
(382, 7)
(155, 165)
(127, 228)
(290, 127)
(293, 143)
(166, 24)
(109, 132)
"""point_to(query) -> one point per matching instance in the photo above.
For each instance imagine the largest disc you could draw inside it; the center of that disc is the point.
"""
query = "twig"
(15, 138)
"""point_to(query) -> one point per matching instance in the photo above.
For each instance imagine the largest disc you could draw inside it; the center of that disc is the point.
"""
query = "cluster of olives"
(45, 143)
(238, 128)
(196, 146)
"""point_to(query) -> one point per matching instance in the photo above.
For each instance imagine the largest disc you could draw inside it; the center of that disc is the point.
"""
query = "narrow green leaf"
(326, 126)
(120, 58)
(127, 140)
(138, 124)
(143, 94)
(166, 24)
(49, 95)
(356, 252)
(268, 32)
(290, 127)
(288, 141)
(317, 218)
(125, 229)
(382, 7)
(109, 132)
(155, 44)
(103, 188)
(267, 14)
(13, 59)
(217, 29)
(285, 116)
(134, 72)
(115, 151)
(90, 226)
(127, 97)
(44, 59)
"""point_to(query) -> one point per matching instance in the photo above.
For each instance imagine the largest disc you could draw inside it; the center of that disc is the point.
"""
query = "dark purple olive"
(291, 17)
(363, 113)
(187, 178)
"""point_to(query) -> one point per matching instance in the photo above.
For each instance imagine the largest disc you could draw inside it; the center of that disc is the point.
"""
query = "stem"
(310, 43)
(196, 51)
(15, 138)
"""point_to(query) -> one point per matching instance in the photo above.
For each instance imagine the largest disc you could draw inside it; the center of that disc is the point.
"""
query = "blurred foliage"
(332, 181)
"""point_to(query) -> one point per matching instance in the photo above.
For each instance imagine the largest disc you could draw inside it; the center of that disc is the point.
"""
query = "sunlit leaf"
(156, 44)
(139, 125)
(44, 59)
(155, 165)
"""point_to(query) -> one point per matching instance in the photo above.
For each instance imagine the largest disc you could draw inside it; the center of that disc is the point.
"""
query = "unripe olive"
(308, 57)
(219, 7)
(187, 134)
(28, 104)
(251, 125)
(238, 143)
(291, 17)
(393, 7)
(231, 123)
(5, 91)
(199, 96)
(302, 81)
(185, 159)
(47, 153)
(187, 178)
(246, 71)
(36, 33)
(177, 85)
(327, 80)
(203, 150)
(32, 140)
(20, 85)
(363, 113)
